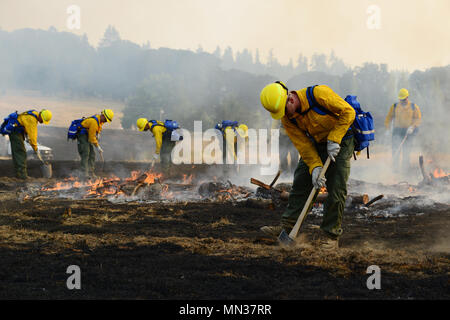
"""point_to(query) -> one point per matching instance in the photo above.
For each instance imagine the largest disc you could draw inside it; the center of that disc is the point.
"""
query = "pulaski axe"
(288, 239)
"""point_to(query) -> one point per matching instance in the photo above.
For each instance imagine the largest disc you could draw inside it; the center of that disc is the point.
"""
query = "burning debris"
(364, 199)
(436, 179)
(146, 185)
(221, 191)
(141, 186)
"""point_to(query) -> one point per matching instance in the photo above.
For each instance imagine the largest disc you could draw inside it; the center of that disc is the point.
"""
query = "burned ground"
(209, 250)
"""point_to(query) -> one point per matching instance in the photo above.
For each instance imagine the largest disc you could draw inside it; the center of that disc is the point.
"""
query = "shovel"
(46, 169)
(288, 239)
(102, 170)
(400, 146)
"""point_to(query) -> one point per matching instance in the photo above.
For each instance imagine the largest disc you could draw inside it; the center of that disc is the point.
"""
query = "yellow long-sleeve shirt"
(320, 127)
(404, 116)
(30, 123)
(93, 128)
(158, 134)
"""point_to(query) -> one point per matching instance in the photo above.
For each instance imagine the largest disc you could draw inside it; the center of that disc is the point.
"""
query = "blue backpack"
(227, 123)
(168, 124)
(362, 127)
(11, 123)
(76, 128)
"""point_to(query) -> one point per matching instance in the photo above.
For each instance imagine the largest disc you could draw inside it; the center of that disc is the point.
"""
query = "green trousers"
(87, 154)
(166, 151)
(19, 154)
(337, 175)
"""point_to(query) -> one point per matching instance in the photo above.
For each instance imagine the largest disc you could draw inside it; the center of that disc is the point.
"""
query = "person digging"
(318, 125)
(21, 127)
(87, 140)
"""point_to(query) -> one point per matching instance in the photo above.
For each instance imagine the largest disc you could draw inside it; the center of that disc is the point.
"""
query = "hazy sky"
(412, 34)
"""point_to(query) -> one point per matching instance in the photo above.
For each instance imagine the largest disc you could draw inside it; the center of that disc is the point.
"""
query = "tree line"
(190, 85)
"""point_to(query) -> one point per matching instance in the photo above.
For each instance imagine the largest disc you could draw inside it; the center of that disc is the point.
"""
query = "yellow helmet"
(141, 123)
(46, 116)
(403, 94)
(273, 98)
(109, 114)
(242, 130)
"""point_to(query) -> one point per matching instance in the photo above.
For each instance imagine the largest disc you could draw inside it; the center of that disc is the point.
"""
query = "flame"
(187, 180)
(439, 173)
(103, 186)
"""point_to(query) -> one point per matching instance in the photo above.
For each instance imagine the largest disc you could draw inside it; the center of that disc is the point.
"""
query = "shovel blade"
(46, 169)
(284, 239)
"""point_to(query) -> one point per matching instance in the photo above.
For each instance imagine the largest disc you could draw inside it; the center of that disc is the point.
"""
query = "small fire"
(186, 179)
(439, 173)
(104, 186)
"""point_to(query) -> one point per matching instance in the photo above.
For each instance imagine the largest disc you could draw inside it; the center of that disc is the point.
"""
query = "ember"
(439, 173)
(104, 187)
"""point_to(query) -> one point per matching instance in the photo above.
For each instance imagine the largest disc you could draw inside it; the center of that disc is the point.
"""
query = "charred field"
(213, 249)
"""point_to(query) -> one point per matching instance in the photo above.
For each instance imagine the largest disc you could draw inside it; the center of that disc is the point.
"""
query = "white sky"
(413, 34)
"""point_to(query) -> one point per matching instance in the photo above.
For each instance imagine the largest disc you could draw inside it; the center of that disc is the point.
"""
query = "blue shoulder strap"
(30, 112)
(315, 105)
(154, 123)
(96, 119)
(412, 104)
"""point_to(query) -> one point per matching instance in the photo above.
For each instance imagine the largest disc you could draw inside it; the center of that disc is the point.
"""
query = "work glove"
(333, 149)
(99, 149)
(156, 157)
(318, 183)
(410, 130)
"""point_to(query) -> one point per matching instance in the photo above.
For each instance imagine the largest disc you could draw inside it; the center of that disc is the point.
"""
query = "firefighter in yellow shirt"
(20, 127)
(166, 137)
(405, 118)
(87, 140)
(317, 121)
(231, 131)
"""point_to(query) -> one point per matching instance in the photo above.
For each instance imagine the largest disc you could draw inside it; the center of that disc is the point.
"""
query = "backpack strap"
(154, 123)
(315, 105)
(31, 113)
(412, 105)
(96, 119)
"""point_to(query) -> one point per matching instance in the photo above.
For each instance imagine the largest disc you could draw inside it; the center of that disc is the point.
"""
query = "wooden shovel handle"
(294, 231)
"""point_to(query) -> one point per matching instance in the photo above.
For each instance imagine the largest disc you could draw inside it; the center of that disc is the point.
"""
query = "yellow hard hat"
(242, 130)
(273, 98)
(109, 114)
(46, 116)
(403, 94)
(141, 123)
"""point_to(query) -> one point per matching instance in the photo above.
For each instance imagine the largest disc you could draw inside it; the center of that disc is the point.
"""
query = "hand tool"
(288, 239)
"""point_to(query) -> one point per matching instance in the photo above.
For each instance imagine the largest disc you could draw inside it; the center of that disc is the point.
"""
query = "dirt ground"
(207, 250)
